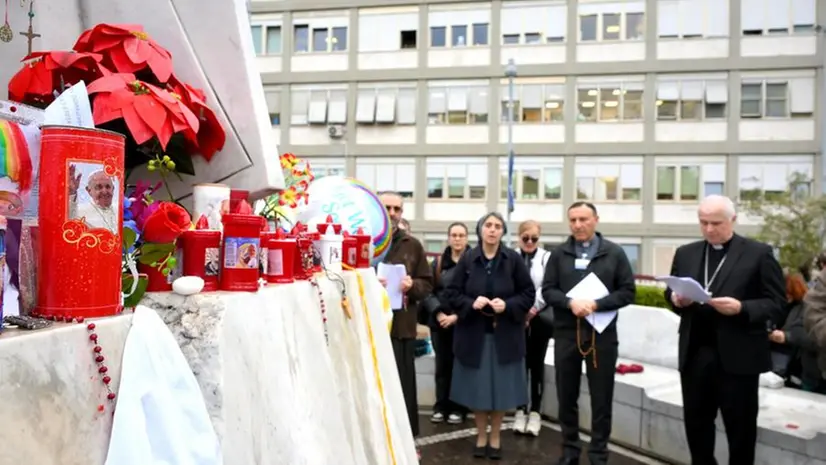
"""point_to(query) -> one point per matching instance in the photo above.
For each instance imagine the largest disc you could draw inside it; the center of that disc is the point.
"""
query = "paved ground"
(445, 444)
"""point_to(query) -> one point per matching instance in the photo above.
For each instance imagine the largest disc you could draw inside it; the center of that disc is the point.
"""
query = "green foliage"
(794, 222)
(152, 254)
(140, 290)
(129, 237)
(651, 296)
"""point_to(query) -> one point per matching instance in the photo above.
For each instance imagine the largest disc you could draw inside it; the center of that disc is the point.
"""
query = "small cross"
(30, 34)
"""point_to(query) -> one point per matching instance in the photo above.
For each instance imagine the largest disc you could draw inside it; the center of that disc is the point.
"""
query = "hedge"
(651, 296)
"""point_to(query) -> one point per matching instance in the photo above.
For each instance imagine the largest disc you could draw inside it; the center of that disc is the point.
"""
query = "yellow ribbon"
(375, 356)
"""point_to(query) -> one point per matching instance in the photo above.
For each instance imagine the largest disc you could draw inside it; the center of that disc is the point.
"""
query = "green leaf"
(151, 253)
(134, 299)
(129, 238)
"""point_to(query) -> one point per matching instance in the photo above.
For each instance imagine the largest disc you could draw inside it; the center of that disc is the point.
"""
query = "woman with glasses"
(539, 329)
(442, 323)
(491, 293)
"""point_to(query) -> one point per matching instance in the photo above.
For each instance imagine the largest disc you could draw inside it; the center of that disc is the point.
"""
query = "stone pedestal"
(274, 388)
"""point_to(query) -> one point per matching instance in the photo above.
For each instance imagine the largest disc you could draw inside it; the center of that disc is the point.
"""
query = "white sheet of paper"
(592, 288)
(71, 108)
(687, 288)
(394, 274)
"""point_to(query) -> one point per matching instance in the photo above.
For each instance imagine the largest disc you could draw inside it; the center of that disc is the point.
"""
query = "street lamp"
(510, 73)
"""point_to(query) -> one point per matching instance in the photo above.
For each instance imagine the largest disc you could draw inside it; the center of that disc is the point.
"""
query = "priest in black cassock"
(724, 343)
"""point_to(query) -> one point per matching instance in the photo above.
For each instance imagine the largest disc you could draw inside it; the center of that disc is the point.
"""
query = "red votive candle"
(240, 252)
(281, 253)
(201, 256)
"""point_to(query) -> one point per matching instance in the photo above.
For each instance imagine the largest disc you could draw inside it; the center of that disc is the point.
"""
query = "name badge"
(581, 263)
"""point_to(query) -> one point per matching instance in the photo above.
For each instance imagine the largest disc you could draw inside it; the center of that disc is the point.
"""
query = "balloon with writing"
(353, 205)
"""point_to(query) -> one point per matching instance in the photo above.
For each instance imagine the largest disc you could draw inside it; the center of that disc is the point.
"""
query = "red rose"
(166, 223)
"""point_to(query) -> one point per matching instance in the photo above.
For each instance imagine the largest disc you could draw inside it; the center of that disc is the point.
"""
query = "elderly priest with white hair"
(724, 346)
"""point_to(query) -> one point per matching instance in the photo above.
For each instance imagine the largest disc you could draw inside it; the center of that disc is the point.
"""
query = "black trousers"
(405, 352)
(442, 339)
(568, 363)
(535, 351)
(706, 389)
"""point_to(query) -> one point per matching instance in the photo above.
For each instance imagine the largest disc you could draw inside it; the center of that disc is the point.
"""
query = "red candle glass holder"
(240, 252)
(281, 252)
(349, 250)
(363, 248)
(202, 256)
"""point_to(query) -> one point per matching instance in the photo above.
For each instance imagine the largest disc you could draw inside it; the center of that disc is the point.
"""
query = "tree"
(794, 222)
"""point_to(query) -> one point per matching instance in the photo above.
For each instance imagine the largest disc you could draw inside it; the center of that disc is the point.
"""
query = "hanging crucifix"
(30, 34)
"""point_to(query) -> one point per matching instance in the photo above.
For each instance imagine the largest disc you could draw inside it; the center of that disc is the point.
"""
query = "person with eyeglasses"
(491, 292)
(539, 329)
(442, 323)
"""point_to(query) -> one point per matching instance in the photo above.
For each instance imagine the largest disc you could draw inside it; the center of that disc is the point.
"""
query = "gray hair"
(721, 203)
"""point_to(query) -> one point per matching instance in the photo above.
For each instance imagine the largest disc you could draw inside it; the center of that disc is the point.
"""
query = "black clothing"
(609, 263)
(536, 349)
(405, 350)
(723, 374)
(508, 279)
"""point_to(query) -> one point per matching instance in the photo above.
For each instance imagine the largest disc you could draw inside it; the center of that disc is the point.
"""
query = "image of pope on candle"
(90, 196)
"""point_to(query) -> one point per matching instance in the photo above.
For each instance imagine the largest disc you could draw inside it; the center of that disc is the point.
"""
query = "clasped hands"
(497, 304)
(582, 307)
(728, 306)
(407, 283)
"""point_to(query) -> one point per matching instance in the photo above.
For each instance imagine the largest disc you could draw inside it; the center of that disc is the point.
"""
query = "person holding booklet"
(587, 279)
(724, 344)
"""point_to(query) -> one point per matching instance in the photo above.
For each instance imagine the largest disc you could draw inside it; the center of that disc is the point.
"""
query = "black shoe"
(568, 461)
(495, 453)
(480, 452)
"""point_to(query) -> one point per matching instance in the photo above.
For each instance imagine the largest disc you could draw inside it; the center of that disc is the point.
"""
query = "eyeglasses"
(393, 208)
(530, 239)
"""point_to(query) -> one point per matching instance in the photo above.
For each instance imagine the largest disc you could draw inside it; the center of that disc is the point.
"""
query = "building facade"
(640, 106)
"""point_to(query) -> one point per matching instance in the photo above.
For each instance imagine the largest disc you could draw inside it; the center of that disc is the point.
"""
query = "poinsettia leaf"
(153, 253)
(135, 298)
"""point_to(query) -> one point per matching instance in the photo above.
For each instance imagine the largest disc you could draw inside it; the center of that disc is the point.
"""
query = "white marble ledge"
(51, 390)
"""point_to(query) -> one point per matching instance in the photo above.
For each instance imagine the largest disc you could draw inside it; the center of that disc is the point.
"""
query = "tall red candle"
(240, 252)
(80, 222)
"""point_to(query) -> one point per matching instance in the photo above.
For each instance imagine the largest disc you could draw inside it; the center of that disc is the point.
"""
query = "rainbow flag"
(15, 159)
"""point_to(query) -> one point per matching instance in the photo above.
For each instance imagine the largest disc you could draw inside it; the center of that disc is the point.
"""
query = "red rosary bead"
(103, 369)
(93, 337)
(90, 326)
(80, 319)
(99, 359)
(106, 380)
(97, 349)
(111, 396)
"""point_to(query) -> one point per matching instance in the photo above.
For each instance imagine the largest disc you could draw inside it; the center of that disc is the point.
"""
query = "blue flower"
(134, 227)
(127, 212)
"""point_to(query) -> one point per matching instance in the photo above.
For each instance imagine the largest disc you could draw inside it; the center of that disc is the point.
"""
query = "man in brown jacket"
(408, 251)
(814, 320)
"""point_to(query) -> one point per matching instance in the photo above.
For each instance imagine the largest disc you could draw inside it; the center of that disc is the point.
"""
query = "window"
(529, 25)
(621, 101)
(318, 106)
(322, 167)
(386, 105)
(256, 39)
(534, 103)
(274, 106)
(777, 17)
(434, 246)
(689, 182)
(691, 100)
(458, 105)
(692, 19)
(324, 39)
(537, 179)
(459, 35)
(764, 100)
(273, 40)
(609, 182)
(388, 174)
(768, 177)
(632, 251)
(408, 39)
(457, 179)
(602, 22)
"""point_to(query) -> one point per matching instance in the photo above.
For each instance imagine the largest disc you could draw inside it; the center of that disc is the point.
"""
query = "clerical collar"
(720, 247)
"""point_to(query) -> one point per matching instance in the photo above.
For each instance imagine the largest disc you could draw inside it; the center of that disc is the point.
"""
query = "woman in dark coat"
(491, 292)
(442, 323)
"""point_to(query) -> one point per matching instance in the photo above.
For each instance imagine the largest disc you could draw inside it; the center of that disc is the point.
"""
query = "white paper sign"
(71, 108)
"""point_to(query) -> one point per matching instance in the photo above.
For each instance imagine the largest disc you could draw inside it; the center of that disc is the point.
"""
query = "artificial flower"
(210, 137)
(126, 48)
(166, 223)
(147, 110)
(289, 197)
(43, 73)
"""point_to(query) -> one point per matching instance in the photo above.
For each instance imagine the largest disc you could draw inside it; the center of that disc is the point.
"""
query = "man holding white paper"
(724, 344)
(587, 279)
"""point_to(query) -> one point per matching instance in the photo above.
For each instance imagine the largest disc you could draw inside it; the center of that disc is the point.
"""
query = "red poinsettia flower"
(127, 49)
(46, 72)
(211, 136)
(147, 110)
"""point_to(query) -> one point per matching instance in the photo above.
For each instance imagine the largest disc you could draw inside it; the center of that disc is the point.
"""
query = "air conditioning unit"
(336, 131)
